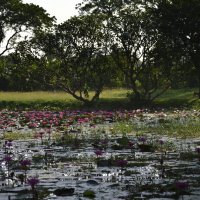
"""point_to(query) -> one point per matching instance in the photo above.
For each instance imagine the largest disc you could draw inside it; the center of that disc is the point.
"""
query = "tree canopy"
(178, 23)
(16, 18)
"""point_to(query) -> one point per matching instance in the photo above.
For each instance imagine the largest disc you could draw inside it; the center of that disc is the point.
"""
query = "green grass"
(114, 94)
(57, 96)
(35, 96)
(176, 98)
(173, 128)
(36, 100)
(187, 130)
(123, 128)
(110, 99)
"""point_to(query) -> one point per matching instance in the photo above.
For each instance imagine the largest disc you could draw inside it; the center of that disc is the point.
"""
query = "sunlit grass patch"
(35, 96)
(117, 93)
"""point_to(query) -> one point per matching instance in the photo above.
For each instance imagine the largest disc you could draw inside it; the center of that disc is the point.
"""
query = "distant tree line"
(147, 46)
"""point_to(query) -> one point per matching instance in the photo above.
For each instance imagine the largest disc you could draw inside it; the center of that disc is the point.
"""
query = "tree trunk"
(196, 63)
(199, 81)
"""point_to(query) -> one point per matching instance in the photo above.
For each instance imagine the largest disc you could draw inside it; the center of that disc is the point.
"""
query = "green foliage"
(21, 72)
(17, 136)
(178, 24)
(132, 37)
(78, 61)
(89, 194)
(19, 17)
(38, 158)
(123, 128)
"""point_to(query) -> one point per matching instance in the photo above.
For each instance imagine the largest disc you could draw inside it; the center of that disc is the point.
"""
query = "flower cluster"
(48, 119)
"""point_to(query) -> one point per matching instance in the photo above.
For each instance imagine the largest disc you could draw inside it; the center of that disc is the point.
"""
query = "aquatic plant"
(161, 141)
(181, 186)
(25, 163)
(8, 159)
(198, 150)
(98, 152)
(25, 166)
(89, 194)
(33, 182)
(142, 139)
(122, 163)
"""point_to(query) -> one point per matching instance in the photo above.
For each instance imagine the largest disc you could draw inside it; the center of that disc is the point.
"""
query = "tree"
(133, 38)
(178, 24)
(17, 18)
(77, 56)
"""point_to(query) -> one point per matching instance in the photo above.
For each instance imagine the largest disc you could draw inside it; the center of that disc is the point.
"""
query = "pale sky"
(61, 9)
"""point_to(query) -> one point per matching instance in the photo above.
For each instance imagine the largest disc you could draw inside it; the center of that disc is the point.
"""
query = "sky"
(61, 9)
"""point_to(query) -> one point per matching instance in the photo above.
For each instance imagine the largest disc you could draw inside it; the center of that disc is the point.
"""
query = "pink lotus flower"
(122, 163)
(8, 158)
(142, 139)
(98, 152)
(25, 163)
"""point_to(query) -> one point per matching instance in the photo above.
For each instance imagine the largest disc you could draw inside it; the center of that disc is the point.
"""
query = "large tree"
(132, 37)
(178, 23)
(77, 56)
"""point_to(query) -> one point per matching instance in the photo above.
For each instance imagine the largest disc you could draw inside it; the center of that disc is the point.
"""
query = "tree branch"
(8, 42)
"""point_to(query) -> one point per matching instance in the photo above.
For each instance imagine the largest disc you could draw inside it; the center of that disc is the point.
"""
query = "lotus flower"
(7, 158)
(98, 152)
(25, 163)
(122, 163)
(33, 181)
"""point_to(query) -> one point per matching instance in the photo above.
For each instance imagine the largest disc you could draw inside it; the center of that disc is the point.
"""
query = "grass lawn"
(110, 99)
(35, 96)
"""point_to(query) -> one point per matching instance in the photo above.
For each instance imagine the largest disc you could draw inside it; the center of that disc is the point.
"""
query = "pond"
(87, 155)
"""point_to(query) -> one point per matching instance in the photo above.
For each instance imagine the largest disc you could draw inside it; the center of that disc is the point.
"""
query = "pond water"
(86, 162)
